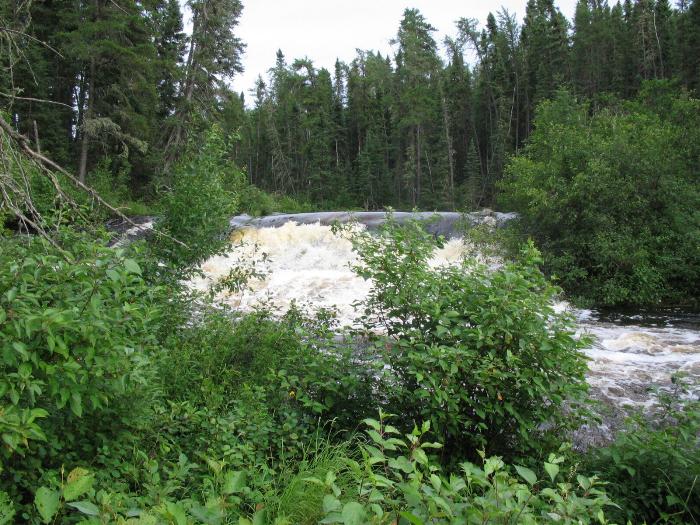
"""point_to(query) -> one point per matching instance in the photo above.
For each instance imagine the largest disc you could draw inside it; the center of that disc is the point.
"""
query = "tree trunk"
(36, 138)
(450, 152)
(85, 141)
(419, 169)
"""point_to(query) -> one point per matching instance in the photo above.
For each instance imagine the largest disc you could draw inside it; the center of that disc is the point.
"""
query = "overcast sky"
(325, 29)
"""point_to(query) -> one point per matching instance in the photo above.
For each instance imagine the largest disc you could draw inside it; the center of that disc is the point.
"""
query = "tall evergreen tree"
(689, 23)
(213, 57)
(417, 67)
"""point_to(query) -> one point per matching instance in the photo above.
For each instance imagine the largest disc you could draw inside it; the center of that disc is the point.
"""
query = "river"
(303, 262)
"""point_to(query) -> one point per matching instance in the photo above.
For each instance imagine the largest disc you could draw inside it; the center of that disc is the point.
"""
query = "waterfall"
(306, 263)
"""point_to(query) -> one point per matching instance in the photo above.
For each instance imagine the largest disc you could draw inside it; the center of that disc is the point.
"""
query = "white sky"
(324, 30)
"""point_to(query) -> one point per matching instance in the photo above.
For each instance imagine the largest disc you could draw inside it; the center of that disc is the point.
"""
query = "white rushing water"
(309, 265)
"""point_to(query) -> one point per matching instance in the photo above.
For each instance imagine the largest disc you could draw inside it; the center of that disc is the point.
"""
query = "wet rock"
(448, 224)
(126, 233)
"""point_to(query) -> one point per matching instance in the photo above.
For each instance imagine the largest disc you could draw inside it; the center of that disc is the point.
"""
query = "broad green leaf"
(234, 482)
(353, 514)
(79, 482)
(372, 423)
(584, 482)
(493, 464)
(412, 518)
(527, 474)
(76, 404)
(86, 507)
(401, 463)
(420, 456)
(376, 437)
(46, 501)
(132, 266)
(552, 470)
(330, 504)
(177, 513)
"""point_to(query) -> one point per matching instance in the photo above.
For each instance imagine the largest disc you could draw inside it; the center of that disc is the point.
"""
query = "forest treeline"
(431, 126)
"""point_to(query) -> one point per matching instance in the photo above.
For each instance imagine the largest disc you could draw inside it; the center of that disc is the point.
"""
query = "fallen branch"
(48, 166)
(31, 99)
(30, 37)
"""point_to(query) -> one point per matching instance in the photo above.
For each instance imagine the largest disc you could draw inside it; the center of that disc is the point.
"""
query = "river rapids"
(301, 261)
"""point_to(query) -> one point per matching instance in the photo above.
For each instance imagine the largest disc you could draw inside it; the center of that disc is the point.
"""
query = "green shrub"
(7, 509)
(76, 333)
(295, 360)
(612, 197)
(478, 352)
(196, 210)
(112, 185)
(653, 467)
(389, 479)
(211, 360)
(399, 482)
(257, 202)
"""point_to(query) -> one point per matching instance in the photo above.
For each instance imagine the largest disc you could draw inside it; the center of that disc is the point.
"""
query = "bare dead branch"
(31, 99)
(48, 165)
(30, 37)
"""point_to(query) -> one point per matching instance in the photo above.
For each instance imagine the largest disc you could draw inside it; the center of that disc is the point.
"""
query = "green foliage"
(653, 467)
(172, 411)
(479, 352)
(257, 202)
(197, 207)
(219, 355)
(292, 364)
(76, 329)
(112, 186)
(7, 509)
(169, 411)
(605, 195)
(399, 482)
(389, 479)
(410, 129)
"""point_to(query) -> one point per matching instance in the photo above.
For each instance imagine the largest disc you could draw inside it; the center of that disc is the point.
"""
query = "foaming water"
(629, 361)
(307, 264)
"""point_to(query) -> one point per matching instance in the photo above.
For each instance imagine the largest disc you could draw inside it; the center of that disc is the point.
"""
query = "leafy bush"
(294, 361)
(653, 467)
(76, 330)
(199, 204)
(210, 361)
(390, 479)
(398, 482)
(612, 197)
(478, 352)
(257, 202)
(111, 184)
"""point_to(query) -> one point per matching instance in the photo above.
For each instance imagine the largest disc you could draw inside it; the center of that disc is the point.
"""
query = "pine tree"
(545, 50)
(690, 42)
(170, 42)
(458, 93)
(417, 73)
(213, 57)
